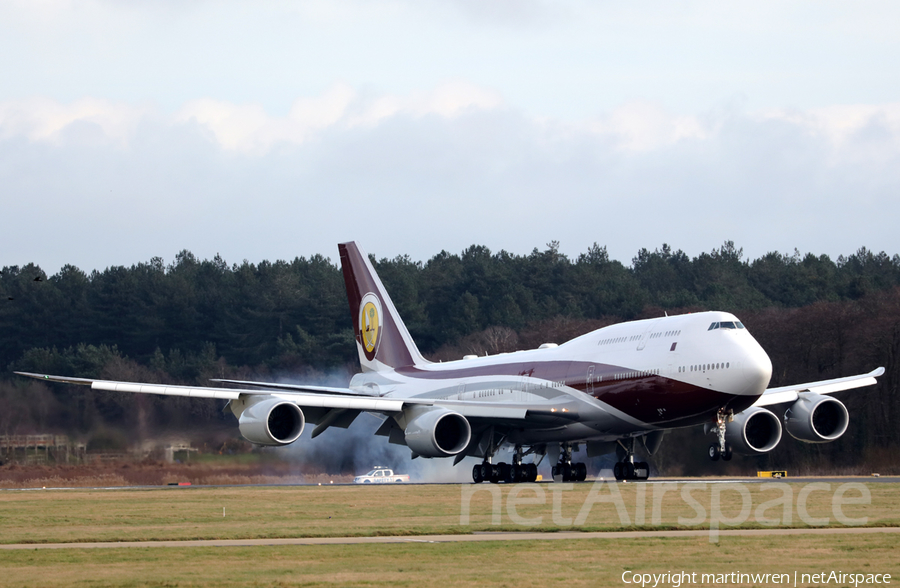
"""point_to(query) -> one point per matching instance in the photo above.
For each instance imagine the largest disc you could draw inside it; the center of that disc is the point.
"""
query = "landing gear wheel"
(714, 453)
(503, 471)
(642, 470)
(580, 472)
(629, 470)
(617, 470)
(532, 472)
(512, 474)
(476, 474)
(554, 471)
(486, 471)
(728, 452)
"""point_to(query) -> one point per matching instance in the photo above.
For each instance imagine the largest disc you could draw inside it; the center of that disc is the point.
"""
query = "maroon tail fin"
(382, 340)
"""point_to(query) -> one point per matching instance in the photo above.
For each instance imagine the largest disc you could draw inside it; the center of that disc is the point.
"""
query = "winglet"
(62, 379)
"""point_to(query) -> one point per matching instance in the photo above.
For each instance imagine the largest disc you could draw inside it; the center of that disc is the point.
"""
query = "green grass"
(589, 562)
(331, 511)
(260, 512)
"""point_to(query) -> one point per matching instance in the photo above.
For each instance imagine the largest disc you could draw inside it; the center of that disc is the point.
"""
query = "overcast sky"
(270, 130)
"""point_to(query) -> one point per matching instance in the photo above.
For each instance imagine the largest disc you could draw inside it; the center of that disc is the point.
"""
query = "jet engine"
(272, 422)
(753, 431)
(815, 418)
(438, 433)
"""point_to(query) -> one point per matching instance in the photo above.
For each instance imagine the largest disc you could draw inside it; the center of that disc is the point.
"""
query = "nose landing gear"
(721, 449)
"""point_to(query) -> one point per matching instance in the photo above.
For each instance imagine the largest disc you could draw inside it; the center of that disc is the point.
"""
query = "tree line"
(285, 314)
(194, 319)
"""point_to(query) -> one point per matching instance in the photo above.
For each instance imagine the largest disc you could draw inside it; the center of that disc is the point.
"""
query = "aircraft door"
(589, 381)
(645, 336)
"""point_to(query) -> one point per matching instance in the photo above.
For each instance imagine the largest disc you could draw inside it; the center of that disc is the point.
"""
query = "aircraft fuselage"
(623, 379)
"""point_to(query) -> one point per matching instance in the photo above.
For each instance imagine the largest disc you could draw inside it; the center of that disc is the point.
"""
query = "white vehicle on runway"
(380, 476)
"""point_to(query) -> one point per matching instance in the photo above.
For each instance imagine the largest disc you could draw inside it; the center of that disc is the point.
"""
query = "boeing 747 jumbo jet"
(607, 390)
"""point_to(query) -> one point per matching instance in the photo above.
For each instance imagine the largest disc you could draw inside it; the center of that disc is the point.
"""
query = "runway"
(731, 480)
(486, 536)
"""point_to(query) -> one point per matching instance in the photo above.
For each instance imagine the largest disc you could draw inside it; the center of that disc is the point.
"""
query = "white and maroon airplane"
(606, 390)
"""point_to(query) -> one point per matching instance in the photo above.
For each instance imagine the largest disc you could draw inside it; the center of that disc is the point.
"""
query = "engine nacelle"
(272, 422)
(438, 433)
(753, 431)
(815, 418)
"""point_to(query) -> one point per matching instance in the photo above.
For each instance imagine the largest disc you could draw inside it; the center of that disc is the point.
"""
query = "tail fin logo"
(370, 324)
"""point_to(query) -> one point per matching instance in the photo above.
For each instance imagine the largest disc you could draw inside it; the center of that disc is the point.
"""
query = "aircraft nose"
(757, 370)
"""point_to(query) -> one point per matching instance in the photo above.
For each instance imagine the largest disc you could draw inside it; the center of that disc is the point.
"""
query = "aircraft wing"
(305, 397)
(792, 393)
(465, 408)
(317, 399)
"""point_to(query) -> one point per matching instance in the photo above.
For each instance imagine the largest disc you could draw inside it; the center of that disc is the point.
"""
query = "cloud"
(863, 132)
(244, 128)
(638, 126)
(248, 128)
(439, 169)
(42, 119)
(644, 126)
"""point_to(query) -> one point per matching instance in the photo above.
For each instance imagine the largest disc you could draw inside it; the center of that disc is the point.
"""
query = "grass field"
(270, 512)
(589, 562)
(335, 511)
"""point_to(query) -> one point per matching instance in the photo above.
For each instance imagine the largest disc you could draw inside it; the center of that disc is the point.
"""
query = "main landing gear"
(570, 472)
(510, 473)
(627, 468)
(720, 449)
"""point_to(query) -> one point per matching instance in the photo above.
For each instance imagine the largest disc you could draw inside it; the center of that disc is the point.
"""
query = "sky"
(269, 130)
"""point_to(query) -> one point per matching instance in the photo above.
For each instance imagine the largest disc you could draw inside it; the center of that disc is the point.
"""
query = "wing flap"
(791, 393)
(188, 391)
(300, 388)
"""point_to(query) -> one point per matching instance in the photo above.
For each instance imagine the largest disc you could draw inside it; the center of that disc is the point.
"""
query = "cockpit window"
(726, 325)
